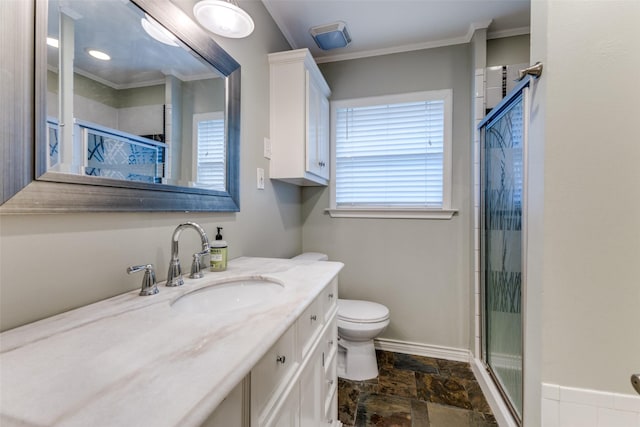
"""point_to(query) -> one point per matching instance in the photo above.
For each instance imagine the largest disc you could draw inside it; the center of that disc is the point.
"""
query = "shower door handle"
(635, 382)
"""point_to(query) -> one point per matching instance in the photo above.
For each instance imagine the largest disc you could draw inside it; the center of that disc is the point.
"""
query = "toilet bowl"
(359, 322)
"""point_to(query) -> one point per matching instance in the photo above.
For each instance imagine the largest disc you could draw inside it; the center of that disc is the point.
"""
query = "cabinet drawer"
(331, 416)
(329, 297)
(331, 379)
(330, 343)
(309, 324)
(273, 371)
(331, 400)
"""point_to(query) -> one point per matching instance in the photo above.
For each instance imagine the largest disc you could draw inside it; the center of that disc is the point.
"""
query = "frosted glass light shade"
(223, 18)
(157, 31)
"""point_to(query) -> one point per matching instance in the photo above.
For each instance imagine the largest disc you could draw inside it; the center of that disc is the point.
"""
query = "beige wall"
(584, 266)
(508, 50)
(418, 268)
(53, 263)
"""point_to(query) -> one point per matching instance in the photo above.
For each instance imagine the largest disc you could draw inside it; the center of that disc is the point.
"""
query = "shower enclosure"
(502, 242)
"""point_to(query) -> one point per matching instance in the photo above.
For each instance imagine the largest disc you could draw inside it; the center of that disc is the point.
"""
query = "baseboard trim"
(427, 350)
(494, 398)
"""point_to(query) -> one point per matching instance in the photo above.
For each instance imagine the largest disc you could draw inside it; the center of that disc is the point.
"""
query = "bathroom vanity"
(169, 360)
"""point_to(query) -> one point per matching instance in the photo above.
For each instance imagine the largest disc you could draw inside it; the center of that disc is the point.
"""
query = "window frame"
(444, 212)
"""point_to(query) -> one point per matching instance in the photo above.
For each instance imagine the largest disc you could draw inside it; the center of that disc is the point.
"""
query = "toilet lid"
(361, 311)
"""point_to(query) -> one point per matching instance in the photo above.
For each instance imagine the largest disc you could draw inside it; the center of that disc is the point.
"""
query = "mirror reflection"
(126, 100)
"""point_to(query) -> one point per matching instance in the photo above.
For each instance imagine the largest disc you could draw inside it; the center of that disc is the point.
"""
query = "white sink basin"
(227, 296)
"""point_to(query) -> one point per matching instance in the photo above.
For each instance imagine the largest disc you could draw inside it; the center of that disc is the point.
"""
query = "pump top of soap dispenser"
(219, 243)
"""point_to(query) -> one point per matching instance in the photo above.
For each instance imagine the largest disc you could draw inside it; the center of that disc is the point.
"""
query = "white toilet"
(359, 322)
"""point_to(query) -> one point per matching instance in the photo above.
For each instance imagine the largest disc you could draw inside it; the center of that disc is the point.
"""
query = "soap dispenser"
(218, 253)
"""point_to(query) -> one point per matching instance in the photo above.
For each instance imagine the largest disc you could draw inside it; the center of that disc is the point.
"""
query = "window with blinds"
(210, 153)
(392, 152)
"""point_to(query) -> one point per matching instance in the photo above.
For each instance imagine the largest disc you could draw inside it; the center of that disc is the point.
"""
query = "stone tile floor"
(414, 391)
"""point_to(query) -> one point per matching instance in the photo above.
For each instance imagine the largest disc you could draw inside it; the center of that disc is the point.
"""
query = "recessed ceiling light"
(52, 42)
(98, 55)
(157, 31)
(224, 17)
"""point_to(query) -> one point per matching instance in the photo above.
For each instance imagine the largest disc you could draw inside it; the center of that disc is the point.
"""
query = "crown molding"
(508, 33)
(473, 27)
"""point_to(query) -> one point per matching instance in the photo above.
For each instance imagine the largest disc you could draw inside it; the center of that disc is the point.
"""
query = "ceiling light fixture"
(157, 31)
(331, 36)
(224, 17)
(98, 55)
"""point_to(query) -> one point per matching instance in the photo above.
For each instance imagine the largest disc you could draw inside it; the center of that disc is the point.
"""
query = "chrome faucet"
(174, 276)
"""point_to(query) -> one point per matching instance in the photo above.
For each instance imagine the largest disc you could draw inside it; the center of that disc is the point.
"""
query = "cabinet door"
(323, 141)
(312, 391)
(317, 161)
(288, 415)
(232, 411)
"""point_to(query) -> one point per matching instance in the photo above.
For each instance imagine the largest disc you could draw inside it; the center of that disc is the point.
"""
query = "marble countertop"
(135, 361)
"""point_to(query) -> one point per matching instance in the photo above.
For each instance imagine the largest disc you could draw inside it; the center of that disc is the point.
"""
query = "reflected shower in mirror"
(126, 100)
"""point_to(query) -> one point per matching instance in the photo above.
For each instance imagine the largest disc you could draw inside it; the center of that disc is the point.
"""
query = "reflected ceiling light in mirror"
(224, 17)
(99, 55)
(53, 42)
(157, 31)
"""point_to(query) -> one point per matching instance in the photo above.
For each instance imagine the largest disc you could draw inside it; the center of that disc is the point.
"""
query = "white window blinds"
(211, 154)
(391, 154)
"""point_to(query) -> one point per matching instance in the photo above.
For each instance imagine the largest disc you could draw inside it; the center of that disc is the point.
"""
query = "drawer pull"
(281, 359)
(314, 317)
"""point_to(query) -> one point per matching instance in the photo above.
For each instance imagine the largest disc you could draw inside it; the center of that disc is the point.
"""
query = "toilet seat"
(362, 311)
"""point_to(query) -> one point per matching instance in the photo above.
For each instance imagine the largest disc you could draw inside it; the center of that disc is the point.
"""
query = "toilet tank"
(312, 256)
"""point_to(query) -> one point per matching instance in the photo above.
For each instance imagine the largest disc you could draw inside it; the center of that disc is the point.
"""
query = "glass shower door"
(502, 180)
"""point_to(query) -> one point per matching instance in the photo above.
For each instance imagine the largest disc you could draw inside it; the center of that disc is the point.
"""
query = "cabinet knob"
(330, 382)
(331, 343)
(331, 295)
(281, 359)
(314, 317)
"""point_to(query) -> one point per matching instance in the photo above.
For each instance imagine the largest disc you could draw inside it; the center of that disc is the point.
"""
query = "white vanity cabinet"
(299, 119)
(264, 364)
(301, 391)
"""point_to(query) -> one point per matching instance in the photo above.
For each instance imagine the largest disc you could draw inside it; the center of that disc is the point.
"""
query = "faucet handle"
(149, 286)
(196, 265)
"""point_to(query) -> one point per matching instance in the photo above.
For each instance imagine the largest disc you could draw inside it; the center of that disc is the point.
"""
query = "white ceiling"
(387, 26)
(114, 27)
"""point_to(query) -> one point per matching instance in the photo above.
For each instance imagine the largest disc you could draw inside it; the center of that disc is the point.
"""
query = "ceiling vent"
(331, 36)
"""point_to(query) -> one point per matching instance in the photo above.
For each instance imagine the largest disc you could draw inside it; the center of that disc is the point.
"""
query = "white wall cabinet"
(299, 119)
(295, 382)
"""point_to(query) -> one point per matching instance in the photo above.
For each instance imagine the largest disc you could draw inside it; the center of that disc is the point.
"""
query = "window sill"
(417, 213)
